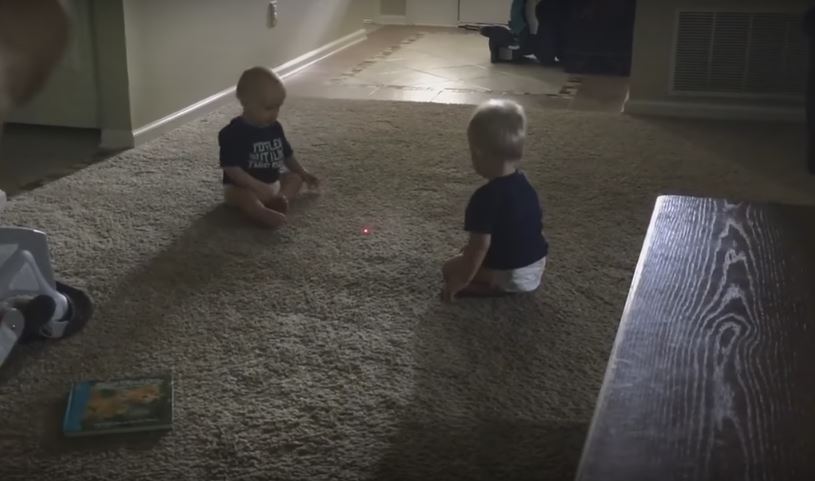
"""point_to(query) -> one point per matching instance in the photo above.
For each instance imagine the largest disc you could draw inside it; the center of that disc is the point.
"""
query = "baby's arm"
(294, 166)
(465, 267)
(242, 178)
(474, 253)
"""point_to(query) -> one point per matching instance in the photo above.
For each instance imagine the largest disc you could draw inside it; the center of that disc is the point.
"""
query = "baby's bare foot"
(274, 219)
(279, 203)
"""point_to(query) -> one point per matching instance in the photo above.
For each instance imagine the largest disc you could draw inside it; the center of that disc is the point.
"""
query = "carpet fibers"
(315, 352)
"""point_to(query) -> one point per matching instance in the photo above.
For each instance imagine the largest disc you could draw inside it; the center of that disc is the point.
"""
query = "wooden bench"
(712, 374)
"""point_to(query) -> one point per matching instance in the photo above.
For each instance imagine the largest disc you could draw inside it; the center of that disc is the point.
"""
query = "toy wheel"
(37, 312)
(80, 309)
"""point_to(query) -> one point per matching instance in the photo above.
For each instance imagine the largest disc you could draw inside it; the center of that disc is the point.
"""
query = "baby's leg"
(482, 284)
(274, 199)
(246, 200)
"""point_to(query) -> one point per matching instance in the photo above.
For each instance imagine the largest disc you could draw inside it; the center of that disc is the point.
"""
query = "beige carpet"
(318, 353)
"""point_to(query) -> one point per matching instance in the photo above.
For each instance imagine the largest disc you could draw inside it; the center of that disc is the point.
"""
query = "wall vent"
(740, 54)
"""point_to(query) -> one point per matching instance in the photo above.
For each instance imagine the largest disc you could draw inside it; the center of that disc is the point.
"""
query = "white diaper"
(524, 279)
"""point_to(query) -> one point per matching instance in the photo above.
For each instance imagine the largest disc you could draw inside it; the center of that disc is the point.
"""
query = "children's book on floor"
(119, 406)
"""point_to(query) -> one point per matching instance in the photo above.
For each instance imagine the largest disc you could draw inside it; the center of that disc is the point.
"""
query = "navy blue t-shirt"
(260, 151)
(508, 209)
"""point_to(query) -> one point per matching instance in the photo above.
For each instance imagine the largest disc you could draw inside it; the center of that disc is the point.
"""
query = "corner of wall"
(117, 139)
(107, 17)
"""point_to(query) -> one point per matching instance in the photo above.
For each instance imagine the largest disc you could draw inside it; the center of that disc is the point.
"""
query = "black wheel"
(37, 312)
(80, 308)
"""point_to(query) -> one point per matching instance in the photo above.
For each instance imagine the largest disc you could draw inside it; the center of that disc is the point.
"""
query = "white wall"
(442, 13)
(152, 58)
(393, 7)
(113, 83)
(181, 51)
(485, 11)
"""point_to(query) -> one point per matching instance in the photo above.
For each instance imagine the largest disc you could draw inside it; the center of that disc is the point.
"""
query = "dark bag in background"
(516, 42)
(583, 36)
(550, 43)
(504, 46)
(599, 37)
(809, 29)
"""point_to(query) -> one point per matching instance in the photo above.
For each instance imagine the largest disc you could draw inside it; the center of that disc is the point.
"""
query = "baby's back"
(513, 208)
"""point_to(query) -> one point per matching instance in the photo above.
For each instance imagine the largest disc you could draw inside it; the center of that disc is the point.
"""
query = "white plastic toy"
(32, 303)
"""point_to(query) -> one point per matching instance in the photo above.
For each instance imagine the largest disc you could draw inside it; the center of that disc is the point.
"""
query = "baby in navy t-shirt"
(506, 252)
(260, 171)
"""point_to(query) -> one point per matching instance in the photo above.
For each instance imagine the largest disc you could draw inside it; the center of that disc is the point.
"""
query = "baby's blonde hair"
(251, 79)
(498, 129)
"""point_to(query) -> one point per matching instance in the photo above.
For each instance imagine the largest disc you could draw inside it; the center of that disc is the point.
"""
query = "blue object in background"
(517, 17)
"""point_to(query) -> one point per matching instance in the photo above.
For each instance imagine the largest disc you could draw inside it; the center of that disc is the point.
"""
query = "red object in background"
(366, 230)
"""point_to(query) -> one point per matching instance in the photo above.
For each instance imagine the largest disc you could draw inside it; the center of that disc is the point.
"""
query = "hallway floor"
(419, 64)
(448, 65)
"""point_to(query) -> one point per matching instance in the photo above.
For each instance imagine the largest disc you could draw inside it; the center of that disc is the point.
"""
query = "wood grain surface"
(712, 375)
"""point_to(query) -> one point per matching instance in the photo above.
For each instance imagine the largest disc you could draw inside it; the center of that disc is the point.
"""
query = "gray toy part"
(25, 271)
(32, 240)
(12, 324)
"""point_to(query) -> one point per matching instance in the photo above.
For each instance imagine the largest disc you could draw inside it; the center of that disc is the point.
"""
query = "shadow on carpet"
(473, 432)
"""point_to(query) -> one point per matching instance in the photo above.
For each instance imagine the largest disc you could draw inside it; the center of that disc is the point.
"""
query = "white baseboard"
(403, 20)
(392, 20)
(714, 111)
(428, 24)
(178, 118)
(119, 139)
(306, 60)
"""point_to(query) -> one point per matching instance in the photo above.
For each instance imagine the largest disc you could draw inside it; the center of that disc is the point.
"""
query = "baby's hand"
(311, 181)
(451, 288)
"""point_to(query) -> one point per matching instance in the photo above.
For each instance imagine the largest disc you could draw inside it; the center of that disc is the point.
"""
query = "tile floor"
(448, 65)
(444, 65)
